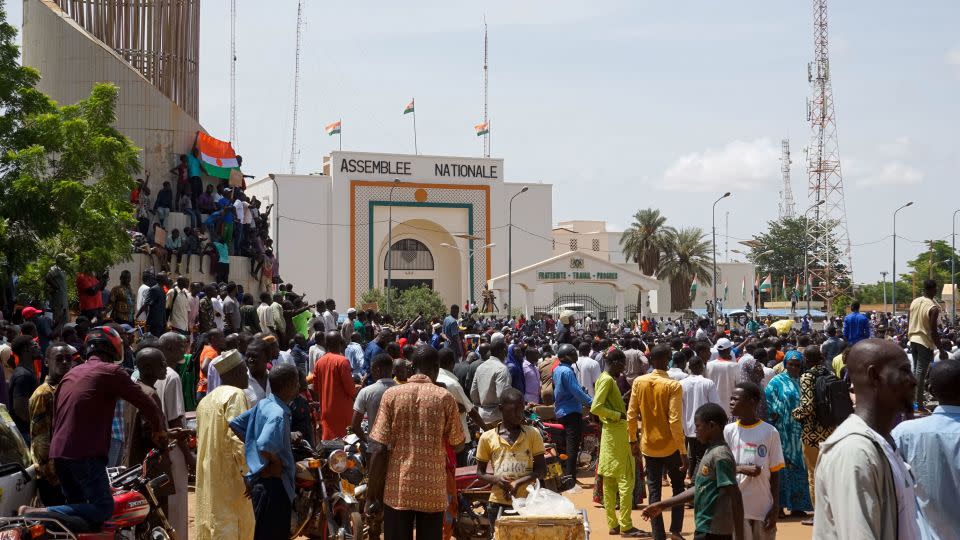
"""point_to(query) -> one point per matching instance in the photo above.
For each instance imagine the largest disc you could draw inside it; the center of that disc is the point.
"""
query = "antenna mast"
(233, 73)
(296, 91)
(827, 228)
(787, 207)
(486, 120)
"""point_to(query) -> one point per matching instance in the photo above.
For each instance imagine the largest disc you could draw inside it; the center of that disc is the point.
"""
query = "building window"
(409, 254)
(573, 244)
(596, 244)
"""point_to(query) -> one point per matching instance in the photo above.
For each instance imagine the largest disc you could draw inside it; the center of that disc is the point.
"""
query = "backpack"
(832, 403)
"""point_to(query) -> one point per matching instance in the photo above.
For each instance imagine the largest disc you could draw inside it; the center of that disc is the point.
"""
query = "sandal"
(636, 533)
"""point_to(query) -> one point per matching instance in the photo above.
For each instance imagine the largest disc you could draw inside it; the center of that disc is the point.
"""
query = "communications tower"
(294, 152)
(827, 234)
(787, 207)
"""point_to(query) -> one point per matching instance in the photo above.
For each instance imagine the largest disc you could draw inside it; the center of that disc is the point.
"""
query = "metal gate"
(581, 303)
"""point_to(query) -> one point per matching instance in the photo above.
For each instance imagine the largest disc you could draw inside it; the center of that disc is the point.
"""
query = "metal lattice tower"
(233, 73)
(828, 223)
(787, 207)
(296, 91)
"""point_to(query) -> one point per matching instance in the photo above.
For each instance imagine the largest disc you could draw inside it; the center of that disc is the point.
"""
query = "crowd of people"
(856, 426)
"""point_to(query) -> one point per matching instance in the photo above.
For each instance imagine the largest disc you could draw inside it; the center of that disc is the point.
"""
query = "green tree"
(687, 256)
(645, 241)
(872, 293)
(934, 263)
(783, 249)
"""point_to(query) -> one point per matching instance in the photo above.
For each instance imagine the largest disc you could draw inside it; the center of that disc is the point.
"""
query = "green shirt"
(712, 508)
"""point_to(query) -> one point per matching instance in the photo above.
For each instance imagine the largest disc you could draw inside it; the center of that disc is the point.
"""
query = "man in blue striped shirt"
(931, 446)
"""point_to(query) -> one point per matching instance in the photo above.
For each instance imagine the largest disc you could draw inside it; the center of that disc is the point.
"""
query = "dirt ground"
(789, 529)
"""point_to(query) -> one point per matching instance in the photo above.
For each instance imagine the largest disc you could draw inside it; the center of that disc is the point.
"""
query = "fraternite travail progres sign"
(574, 276)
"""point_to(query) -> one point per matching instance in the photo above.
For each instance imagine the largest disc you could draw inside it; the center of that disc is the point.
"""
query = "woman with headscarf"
(783, 396)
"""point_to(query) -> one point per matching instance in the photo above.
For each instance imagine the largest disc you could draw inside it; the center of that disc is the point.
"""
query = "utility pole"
(884, 275)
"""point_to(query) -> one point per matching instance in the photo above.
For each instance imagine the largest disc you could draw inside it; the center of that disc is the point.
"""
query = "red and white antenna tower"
(827, 225)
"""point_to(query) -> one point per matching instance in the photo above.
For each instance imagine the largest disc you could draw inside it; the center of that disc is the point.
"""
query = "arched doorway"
(420, 258)
(413, 260)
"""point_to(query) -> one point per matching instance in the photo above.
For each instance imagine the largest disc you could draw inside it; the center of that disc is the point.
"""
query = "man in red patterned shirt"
(408, 466)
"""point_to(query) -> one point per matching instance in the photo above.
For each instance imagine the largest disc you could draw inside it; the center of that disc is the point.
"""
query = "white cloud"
(737, 165)
(952, 57)
(894, 172)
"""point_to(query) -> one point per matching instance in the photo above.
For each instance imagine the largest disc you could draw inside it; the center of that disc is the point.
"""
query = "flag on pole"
(217, 156)
(409, 108)
(333, 129)
(796, 284)
(482, 128)
(767, 283)
(809, 286)
(725, 291)
(693, 289)
(783, 286)
(743, 287)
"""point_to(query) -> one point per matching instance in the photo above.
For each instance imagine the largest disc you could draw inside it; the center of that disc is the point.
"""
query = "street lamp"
(713, 222)
(953, 269)
(466, 253)
(884, 275)
(390, 244)
(510, 253)
(806, 267)
(894, 280)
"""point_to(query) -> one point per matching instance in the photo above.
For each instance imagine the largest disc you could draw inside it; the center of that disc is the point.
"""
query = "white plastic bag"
(543, 502)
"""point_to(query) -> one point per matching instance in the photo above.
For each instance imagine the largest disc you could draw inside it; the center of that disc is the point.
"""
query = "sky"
(621, 105)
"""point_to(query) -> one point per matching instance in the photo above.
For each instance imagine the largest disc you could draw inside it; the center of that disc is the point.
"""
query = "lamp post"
(390, 244)
(468, 258)
(894, 278)
(510, 253)
(884, 276)
(713, 222)
(808, 289)
(953, 269)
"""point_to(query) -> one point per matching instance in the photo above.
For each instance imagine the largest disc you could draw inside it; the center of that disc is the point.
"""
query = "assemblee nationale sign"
(573, 276)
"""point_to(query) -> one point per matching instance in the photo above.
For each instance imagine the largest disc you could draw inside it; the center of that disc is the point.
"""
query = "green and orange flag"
(217, 156)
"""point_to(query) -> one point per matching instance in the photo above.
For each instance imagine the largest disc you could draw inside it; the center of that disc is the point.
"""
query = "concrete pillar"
(527, 300)
(621, 305)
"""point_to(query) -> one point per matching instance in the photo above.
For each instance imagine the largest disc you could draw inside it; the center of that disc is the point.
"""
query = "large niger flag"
(217, 156)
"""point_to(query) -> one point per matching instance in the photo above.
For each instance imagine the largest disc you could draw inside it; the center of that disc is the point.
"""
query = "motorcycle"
(327, 479)
(137, 514)
(554, 433)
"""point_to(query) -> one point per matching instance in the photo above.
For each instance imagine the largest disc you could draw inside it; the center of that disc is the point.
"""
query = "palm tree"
(645, 242)
(687, 256)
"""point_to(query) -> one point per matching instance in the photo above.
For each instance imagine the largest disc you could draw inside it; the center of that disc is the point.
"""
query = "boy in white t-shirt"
(756, 448)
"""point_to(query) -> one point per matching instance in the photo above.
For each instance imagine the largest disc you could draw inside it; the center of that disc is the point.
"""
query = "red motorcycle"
(554, 433)
(137, 514)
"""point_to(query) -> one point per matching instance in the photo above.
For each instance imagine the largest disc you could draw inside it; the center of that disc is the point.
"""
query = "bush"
(406, 305)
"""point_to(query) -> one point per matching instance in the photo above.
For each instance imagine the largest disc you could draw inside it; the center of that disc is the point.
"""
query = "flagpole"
(340, 135)
(415, 151)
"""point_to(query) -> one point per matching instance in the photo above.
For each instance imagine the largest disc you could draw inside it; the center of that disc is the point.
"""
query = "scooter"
(324, 506)
(137, 514)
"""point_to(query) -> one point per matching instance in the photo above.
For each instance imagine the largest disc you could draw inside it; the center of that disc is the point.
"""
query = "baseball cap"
(496, 338)
(30, 312)
(351, 311)
(724, 344)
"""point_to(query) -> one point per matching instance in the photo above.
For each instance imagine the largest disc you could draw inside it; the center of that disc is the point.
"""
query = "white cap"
(496, 338)
(724, 344)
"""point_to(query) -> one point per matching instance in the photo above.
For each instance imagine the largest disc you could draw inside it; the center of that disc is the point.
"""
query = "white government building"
(448, 216)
